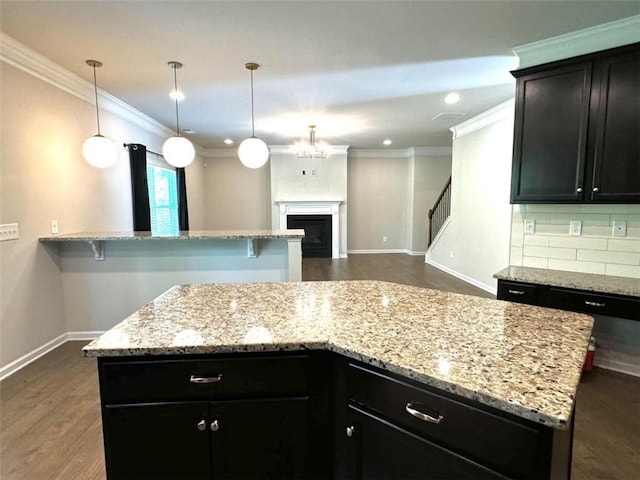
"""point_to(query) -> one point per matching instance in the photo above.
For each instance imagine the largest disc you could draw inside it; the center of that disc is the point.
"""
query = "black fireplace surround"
(317, 233)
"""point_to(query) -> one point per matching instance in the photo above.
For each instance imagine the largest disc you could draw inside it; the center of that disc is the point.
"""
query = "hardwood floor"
(50, 424)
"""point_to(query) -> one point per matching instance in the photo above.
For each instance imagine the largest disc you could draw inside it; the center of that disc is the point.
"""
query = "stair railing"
(440, 211)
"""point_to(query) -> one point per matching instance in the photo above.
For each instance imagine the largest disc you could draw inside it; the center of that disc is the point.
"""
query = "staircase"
(440, 211)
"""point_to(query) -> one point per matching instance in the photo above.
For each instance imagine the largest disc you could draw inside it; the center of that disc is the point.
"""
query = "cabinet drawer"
(517, 292)
(596, 303)
(497, 442)
(156, 380)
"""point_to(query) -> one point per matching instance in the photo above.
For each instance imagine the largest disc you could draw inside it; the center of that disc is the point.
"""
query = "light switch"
(9, 231)
(619, 228)
(529, 226)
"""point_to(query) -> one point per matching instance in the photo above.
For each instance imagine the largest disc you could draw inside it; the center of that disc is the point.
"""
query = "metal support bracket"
(98, 249)
(252, 248)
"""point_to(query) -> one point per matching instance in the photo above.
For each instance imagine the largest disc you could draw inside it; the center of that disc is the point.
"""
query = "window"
(163, 199)
(158, 193)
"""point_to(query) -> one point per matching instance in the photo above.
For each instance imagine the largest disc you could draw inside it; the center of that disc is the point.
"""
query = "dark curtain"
(183, 211)
(139, 187)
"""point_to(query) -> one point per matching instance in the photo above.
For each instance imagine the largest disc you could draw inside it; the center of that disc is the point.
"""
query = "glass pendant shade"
(178, 151)
(253, 152)
(99, 151)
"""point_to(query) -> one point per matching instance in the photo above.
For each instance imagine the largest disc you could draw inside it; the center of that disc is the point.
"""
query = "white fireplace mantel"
(314, 207)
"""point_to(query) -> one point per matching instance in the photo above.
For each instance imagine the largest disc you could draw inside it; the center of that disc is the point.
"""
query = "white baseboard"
(389, 250)
(472, 281)
(32, 356)
(618, 366)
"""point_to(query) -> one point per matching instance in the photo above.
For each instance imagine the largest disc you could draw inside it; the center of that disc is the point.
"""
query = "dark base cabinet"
(573, 300)
(217, 424)
(307, 415)
(391, 427)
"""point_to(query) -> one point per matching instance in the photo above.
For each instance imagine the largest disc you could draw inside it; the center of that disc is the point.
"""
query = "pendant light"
(253, 152)
(178, 151)
(98, 151)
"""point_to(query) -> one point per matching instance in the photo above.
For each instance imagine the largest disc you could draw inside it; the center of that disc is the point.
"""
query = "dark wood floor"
(50, 413)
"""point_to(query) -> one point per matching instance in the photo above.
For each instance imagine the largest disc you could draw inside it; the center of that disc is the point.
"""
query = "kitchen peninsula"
(109, 275)
(359, 379)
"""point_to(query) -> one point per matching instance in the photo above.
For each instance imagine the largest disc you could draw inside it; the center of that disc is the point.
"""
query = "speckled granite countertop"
(521, 359)
(184, 235)
(581, 281)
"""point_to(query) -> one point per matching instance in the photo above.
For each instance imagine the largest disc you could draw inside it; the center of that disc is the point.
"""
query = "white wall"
(475, 244)
(236, 197)
(42, 177)
(309, 179)
(391, 192)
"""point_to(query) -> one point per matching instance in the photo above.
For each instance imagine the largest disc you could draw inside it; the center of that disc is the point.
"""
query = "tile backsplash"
(596, 250)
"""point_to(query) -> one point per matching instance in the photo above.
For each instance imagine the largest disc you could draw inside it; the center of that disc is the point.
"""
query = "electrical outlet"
(575, 227)
(619, 228)
(529, 226)
(384, 239)
(54, 227)
(9, 231)
(451, 254)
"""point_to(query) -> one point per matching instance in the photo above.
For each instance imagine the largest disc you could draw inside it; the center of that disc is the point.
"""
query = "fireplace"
(314, 208)
(317, 233)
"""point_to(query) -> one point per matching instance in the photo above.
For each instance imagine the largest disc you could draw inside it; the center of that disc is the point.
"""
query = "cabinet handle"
(594, 304)
(202, 425)
(215, 426)
(579, 189)
(517, 292)
(596, 189)
(423, 416)
(215, 379)
(350, 430)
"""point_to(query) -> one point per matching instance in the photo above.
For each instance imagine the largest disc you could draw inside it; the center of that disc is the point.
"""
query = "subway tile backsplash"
(595, 251)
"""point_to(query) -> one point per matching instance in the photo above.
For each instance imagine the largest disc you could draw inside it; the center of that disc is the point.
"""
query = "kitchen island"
(354, 379)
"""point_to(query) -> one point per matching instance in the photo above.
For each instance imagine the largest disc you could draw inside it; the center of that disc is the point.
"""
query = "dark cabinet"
(574, 300)
(383, 450)
(202, 418)
(577, 124)
(391, 427)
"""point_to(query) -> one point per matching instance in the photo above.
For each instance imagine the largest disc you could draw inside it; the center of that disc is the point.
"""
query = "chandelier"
(311, 149)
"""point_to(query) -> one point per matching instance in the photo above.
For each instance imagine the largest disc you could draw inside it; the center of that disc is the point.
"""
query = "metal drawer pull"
(350, 430)
(594, 304)
(423, 416)
(215, 379)
(215, 426)
(202, 425)
(517, 292)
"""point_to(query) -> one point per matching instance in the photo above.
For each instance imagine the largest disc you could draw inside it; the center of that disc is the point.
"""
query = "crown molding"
(399, 152)
(31, 62)
(431, 151)
(601, 37)
(491, 116)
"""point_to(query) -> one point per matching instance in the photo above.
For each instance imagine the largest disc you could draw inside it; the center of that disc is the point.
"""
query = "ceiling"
(362, 71)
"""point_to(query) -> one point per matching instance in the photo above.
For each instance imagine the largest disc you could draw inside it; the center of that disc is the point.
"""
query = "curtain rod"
(127, 145)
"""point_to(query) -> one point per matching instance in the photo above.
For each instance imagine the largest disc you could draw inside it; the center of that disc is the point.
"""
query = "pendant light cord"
(175, 90)
(253, 132)
(95, 89)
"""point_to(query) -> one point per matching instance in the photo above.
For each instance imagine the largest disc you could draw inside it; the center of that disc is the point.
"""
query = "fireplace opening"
(317, 233)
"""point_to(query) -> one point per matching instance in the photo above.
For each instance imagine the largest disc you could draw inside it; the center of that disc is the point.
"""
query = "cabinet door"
(157, 441)
(382, 450)
(266, 438)
(550, 139)
(616, 174)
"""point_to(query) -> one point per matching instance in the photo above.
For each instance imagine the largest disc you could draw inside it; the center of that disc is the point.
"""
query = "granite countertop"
(581, 281)
(518, 358)
(184, 235)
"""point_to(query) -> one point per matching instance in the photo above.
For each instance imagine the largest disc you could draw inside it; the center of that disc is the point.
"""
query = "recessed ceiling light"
(228, 141)
(176, 95)
(452, 98)
(387, 142)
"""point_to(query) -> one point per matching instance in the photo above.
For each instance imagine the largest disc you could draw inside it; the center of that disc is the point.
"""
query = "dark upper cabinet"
(577, 130)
